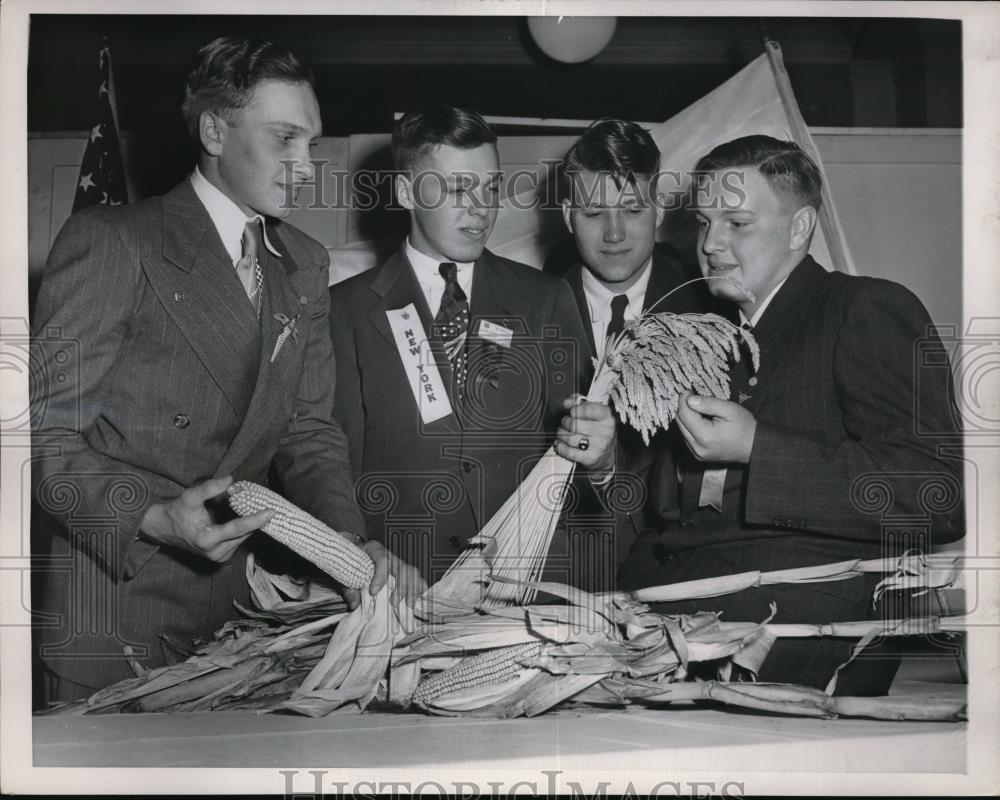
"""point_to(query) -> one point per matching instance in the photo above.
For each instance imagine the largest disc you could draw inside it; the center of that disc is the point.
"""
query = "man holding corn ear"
(788, 473)
(204, 354)
(453, 363)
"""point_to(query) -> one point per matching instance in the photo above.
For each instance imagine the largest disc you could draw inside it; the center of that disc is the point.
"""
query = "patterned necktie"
(248, 267)
(452, 322)
(618, 305)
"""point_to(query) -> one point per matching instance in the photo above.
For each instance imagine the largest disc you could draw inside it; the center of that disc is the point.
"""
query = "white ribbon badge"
(418, 361)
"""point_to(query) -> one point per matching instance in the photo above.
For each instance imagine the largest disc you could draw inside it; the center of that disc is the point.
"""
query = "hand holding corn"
(354, 567)
(409, 584)
(716, 430)
(185, 523)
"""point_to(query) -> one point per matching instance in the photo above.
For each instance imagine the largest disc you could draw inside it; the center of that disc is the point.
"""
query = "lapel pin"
(288, 329)
(178, 297)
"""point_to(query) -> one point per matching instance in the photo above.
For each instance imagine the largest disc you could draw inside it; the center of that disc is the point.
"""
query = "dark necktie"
(618, 305)
(452, 322)
(248, 267)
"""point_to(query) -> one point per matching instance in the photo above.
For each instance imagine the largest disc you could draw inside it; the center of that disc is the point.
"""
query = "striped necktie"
(248, 267)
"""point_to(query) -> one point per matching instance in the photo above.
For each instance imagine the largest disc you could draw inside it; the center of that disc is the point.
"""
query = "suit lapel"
(286, 295)
(397, 286)
(784, 318)
(196, 283)
(574, 277)
(494, 295)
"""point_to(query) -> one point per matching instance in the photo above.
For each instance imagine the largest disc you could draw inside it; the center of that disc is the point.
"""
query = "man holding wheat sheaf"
(614, 202)
(775, 477)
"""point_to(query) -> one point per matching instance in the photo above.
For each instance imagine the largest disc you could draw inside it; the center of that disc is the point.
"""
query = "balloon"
(572, 39)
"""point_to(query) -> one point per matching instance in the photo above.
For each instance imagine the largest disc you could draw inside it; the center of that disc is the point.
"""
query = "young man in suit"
(454, 365)
(613, 204)
(200, 323)
(793, 470)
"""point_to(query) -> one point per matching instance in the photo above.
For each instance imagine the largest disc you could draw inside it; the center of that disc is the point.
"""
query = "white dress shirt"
(430, 279)
(230, 222)
(599, 299)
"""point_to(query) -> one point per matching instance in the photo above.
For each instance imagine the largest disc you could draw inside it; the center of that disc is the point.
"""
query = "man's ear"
(212, 130)
(661, 208)
(803, 224)
(404, 191)
(567, 212)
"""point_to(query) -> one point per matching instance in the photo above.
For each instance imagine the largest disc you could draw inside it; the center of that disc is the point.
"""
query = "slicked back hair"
(614, 147)
(789, 171)
(422, 129)
(226, 72)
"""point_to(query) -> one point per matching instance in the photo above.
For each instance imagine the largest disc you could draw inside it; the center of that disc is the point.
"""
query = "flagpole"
(828, 220)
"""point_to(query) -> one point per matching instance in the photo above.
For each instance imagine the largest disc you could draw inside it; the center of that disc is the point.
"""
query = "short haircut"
(226, 72)
(615, 147)
(422, 129)
(789, 171)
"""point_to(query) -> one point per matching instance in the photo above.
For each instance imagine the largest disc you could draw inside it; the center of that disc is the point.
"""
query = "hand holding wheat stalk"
(645, 371)
(659, 357)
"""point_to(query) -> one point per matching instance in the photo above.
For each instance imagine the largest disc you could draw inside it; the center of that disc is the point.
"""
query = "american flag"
(102, 176)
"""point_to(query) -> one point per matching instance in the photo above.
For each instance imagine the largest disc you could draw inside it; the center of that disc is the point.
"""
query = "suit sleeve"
(312, 458)
(887, 459)
(89, 292)
(349, 405)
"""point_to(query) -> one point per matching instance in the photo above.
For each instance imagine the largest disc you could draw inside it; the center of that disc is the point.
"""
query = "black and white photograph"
(503, 397)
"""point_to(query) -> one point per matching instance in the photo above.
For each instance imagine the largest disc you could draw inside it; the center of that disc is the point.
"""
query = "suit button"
(686, 522)
(467, 466)
(455, 542)
(181, 421)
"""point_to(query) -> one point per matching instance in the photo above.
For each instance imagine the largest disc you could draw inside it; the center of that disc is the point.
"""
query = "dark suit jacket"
(628, 498)
(159, 376)
(856, 455)
(426, 488)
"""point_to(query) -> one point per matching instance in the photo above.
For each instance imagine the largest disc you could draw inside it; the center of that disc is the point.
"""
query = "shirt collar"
(227, 217)
(599, 296)
(761, 306)
(427, 267)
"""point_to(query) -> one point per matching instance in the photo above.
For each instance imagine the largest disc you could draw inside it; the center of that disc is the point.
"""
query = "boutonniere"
(287, 329)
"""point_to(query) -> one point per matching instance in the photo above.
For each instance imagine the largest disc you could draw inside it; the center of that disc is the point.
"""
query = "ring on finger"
(583, 444)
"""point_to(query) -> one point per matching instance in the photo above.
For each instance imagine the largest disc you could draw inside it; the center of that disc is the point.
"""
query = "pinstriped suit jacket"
(158, 375)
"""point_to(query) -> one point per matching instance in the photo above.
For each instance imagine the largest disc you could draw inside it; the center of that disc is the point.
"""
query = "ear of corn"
(339, 558)
(491, 667)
